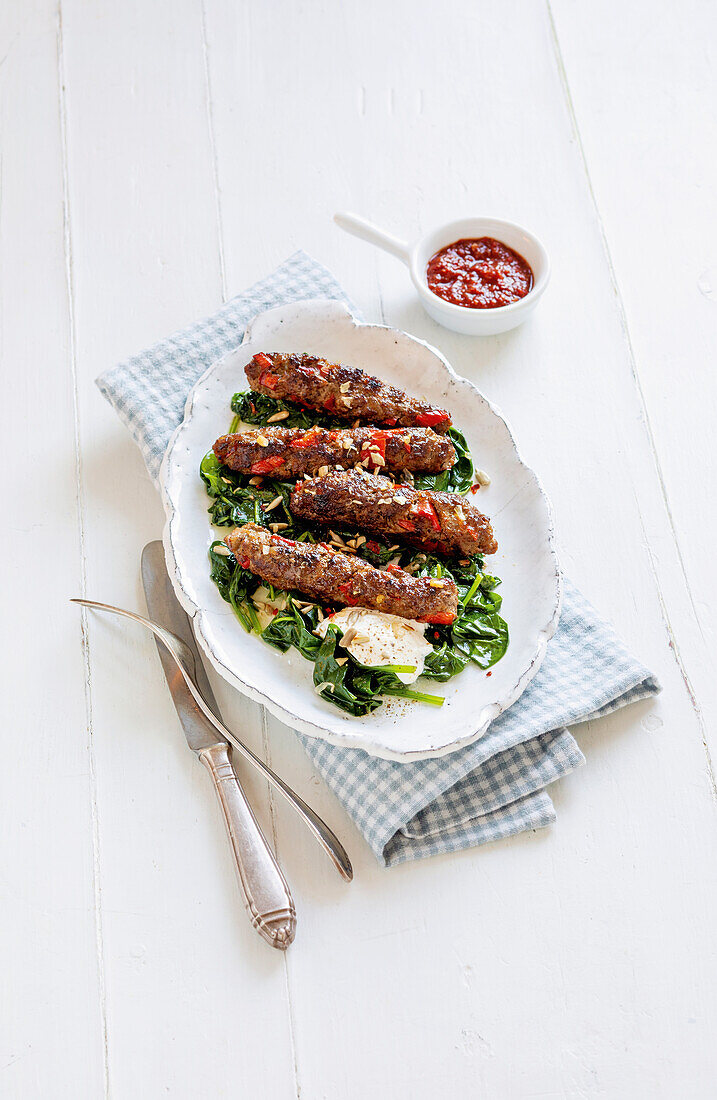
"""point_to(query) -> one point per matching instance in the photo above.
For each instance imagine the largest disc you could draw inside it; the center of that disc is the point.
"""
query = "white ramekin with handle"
(470, 321)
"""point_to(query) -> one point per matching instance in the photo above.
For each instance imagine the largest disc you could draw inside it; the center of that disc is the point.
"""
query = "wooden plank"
(645, 91)
(561, 964)
(50, 949)
(196, 1004)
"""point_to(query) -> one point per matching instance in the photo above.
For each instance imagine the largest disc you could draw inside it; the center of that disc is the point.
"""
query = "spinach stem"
(255, 625)
(420, 696)
(472, 590)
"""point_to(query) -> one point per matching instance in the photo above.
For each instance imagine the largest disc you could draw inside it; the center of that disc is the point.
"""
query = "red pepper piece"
(267, 465)
(266, 378)
(407, 524)
(349, 597)
(430, 419)
(424, 508)
(442, 617)
(244, 562)
(330, 403)
(307, 439)
(373, 547)
(377, 439)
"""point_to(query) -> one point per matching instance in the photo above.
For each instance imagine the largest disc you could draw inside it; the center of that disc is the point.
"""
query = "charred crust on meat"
(437, 521)
(334, 578)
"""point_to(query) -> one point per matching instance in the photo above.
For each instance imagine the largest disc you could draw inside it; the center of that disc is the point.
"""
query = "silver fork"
(184, 659)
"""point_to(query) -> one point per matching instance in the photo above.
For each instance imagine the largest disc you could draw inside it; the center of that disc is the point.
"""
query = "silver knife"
(266, 893)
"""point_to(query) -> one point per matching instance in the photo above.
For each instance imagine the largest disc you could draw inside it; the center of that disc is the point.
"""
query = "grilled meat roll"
(290, 453)
(345, 392)
(336, 579)
(444, 522)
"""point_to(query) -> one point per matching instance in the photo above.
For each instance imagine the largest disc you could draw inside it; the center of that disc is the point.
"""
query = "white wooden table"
(156, 158)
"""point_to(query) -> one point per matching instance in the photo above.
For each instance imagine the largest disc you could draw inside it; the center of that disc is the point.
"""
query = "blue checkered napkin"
(496, 786)
(488, 790)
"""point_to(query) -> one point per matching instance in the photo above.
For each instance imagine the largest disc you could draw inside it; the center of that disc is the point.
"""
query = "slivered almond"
(436, 584)
(345, 387)
(360, 540)
(341, 661)
(379, 598)
(399, 499)
(274, 504)
(262, 441)
(278, 416)
(223, 551)
(278, 527)
(227, 481)
(323, 471)
(265, 549)
(256, 480)
(482, 477)
(347, 638)
(346, 443)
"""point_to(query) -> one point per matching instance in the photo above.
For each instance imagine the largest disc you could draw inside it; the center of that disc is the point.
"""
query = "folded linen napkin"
(485, 791)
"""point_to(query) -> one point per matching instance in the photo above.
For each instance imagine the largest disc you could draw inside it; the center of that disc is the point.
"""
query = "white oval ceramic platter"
(514, 501)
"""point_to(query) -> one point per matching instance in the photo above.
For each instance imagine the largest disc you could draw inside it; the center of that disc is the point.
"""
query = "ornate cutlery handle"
(268, 900)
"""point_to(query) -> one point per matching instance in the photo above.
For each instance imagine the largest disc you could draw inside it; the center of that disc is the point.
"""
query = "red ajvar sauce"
(482, 274)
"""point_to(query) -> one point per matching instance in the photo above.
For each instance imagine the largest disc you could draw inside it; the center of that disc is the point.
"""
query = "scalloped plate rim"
(490, 711)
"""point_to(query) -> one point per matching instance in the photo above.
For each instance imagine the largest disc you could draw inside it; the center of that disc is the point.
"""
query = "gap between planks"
(622, 313)
(81, 526)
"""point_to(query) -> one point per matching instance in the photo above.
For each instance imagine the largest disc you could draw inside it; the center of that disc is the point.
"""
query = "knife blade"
(266, 893)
